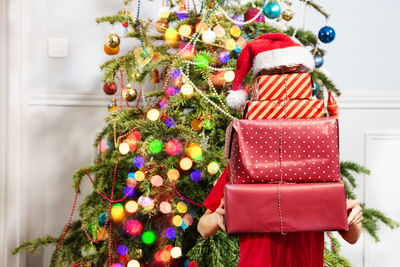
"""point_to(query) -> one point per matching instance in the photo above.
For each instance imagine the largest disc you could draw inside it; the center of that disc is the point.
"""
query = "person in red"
(274, 249)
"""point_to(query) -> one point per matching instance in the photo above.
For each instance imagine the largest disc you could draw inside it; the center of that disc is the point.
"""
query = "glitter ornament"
(173, 147)
(319, 60)
(272, 10)
(155, 146)
(139, 176)
(173, 174)
(133, 227)
(217, 79)
(219, 31)
(161, 25)
(196, 125)
(117, 212)
(131, 206)
(235, 31)
(181, 207)
(196, 175)
(230, 44)
(153, 114)
(176, 252)
(170, 122)
(122, 250)
(102, 234)
(111, 51)
(138, 161)
(177, 220)
(185, 163)
(187, 90)
(223, 57)
(202, 61)
(110, 88)
(112, 40)
(156, 180)
(326, 34)
(170, 233)
(133, 263)
(185, 30)
(175, 73)
(229, 76)
(123, 148)
(103, 218)
(165, 207)
(148, 237)
(287, 14)
(129, 93)
(194, 151)
(251, 13)
(170, 91)
(187, 51)
(201, 27)
(163, 103)
(164, 12)
(208, 36)
(213, 167)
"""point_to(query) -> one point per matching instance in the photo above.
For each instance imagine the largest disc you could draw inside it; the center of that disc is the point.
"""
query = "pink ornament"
(251, 13)
(173, 147)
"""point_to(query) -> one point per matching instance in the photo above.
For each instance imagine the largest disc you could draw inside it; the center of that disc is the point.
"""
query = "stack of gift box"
(284, 161)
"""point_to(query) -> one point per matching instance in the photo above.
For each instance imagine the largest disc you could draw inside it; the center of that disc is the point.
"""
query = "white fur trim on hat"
(236, 99)
(289, 56)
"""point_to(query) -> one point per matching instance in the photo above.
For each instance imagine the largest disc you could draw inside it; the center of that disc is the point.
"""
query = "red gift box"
(292, 150)
(283, 86)
(255, 208)
(262, 110)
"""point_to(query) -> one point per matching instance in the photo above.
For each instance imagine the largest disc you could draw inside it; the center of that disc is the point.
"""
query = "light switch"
(58, 47)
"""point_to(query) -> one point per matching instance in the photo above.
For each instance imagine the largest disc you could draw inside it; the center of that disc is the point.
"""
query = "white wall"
(51, 110)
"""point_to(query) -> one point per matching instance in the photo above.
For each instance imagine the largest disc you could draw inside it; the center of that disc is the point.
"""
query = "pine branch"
(371, 219)
(33, 245)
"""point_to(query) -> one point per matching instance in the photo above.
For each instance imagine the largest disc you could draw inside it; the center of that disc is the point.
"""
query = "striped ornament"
(272, 87)
(277, 109)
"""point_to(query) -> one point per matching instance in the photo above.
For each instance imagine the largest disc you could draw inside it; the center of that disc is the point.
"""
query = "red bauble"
(110, 88)
(251, 13)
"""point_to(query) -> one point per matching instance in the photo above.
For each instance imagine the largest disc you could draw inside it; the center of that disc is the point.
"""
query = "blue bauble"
(272, 10)
(315, 88)
(326, 34)
(103, 219)
(319, 61)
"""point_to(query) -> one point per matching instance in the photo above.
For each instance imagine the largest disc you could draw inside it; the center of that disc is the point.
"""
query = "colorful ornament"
(187, 51)
(138, 161)
(223, 57)
(156, 180)
(129, 191)
(131, 206)
(153, 114)
(133, 263)
(155, 146)
(139, 176)
(133, 227)
(171, 36)
(287, 14)
(103, 218)
(235, 31)
(161, 25)
(175, 73)
(148, 237)
(194, 151)
(333, 108)
(170, 233)
(173, 147)
(201, 27)
(230, 44)
(185, 30)
(326, 34)
(315, 88)
(112, 40)
(165, 207)
(208, 36)
(146, 202)
(122, 250)
(201, 61)
(251, 13)
(219, 31)
(163, 13)
(272, 10)
(185, 163)
(170, 91)
(111, 51)
(196, 125)
(187, 90)
(142, 56)
(129, 93)
(173, 174)
(182, 12)
(110, 88)
(117, 212)
(319, 60)
(124, 148)
(213, 167)
(196, 175)
(229, 76)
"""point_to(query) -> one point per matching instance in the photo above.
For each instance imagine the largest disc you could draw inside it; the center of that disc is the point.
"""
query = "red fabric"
(272, 250)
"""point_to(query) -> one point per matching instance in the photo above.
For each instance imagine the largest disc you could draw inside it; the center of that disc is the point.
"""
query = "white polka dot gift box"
(290, 150)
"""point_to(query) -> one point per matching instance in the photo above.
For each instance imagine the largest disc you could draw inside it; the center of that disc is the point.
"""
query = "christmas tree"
(162, 147)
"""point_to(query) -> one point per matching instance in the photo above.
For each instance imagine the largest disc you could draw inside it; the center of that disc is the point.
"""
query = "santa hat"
(269, 51)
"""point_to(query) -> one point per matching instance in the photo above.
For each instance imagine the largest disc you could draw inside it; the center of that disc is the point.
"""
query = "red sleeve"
(217, 193)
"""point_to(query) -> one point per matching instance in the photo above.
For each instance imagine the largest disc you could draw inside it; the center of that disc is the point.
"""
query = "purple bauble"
(170, 91)
(251, 13)
(223, 57)
(238, 18)
(175, 73)
(182, 15)
(170, 122)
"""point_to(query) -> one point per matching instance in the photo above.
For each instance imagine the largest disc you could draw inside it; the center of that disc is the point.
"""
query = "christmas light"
(163, 13)
(229, 76)
(153, 114)
(117, 212)
(202, 61)
(170, 91)
(129, 191)
(148, 237)
(176, 252)
(131, 206)
(170, 122)
(155, 146)
(173, 174)
(235, 31)
(139, 176)
(133, 227)
(187, 90)
(138, 161)
(133, 263)
(213, 168)
(194, 151)
(196, 175)
(188, 219)
(201, 27)
(170, 233)
(185, 30)
(103, 218)
(173, 147)
(185, 163)
(156, 180)
(196, 125)
(177, 220)
(181, 207)
(124, 148)
(230, 44)
(219, 31)
(122, 250)
(130, 181)
(165, 207)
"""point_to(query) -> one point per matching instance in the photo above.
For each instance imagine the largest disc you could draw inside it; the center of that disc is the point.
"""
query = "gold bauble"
(287, 14)
(161, 25)
(112, 40)
(129, 93)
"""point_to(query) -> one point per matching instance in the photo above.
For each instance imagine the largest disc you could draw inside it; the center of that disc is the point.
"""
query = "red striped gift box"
(277, 109)
(272, 87)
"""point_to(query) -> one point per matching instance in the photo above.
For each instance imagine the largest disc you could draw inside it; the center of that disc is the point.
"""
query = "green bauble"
(155, 146)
